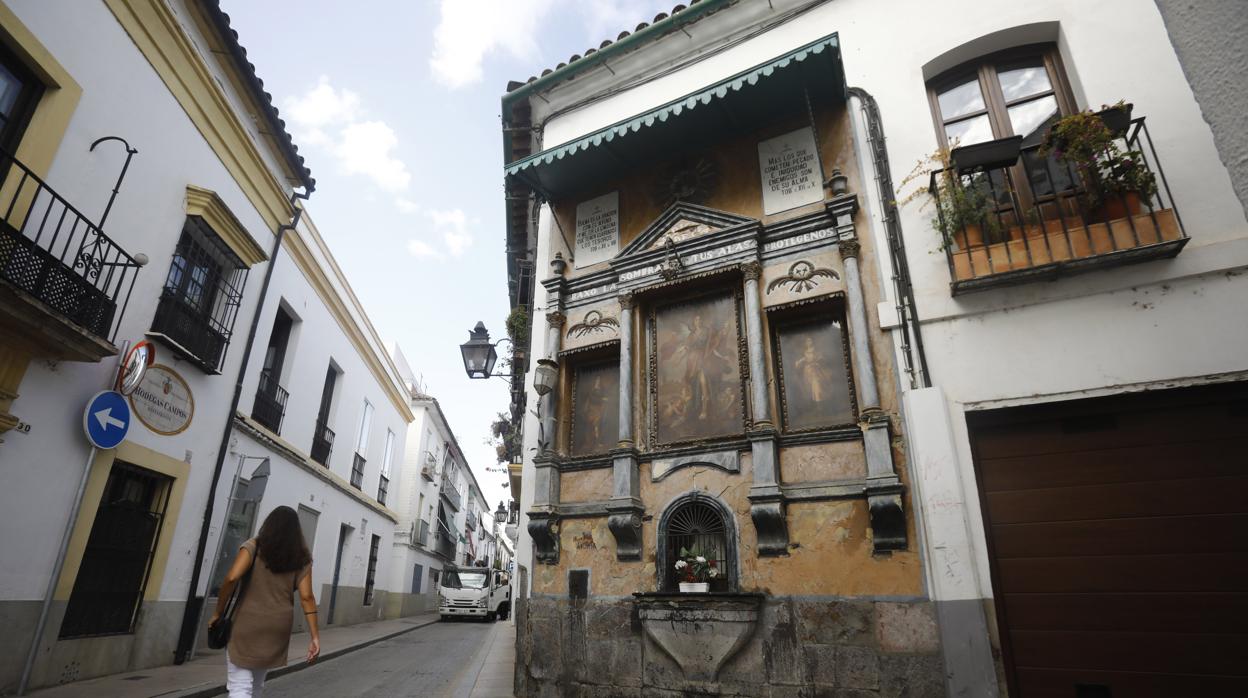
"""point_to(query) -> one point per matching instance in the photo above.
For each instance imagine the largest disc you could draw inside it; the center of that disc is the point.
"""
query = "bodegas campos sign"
(163, 401)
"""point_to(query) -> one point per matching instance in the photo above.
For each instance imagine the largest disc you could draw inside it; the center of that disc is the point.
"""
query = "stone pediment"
(680, 222)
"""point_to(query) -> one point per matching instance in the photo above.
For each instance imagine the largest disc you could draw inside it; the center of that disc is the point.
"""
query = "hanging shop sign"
(790, 169)
(163, 401)
(597, 229)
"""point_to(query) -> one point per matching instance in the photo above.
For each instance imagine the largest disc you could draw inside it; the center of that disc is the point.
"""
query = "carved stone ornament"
(544, 530)
(888, 521)
(593, 323)
(849, 248)
(692, 180)
(625, 525)
(700, 632)
(556, 318)
(802, 276)
(751, 270)
(626, 300)
(672, 265)
(770, 525)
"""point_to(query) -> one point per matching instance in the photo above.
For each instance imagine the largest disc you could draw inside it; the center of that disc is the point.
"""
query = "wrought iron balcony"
(322, 443)
(450, 493)
(444, 544)
(270, 406)
(1056, 224)
(51, 251)
(357, 472)
(184, 325)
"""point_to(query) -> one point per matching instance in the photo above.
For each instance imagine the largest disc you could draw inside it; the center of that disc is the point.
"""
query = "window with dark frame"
(813, 370)
(117, 561)
(20, 91)
(201, 296)
(1018, 92)
(322, 435)
(371, 577)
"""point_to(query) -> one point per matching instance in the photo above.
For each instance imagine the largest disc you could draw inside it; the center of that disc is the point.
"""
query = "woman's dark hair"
(280, 541)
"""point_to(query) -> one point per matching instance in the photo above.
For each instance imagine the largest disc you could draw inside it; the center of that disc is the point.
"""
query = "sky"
(394, 105)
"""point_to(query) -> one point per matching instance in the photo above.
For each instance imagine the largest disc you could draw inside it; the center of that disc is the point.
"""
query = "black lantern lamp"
(545, 376)
(501, 514)
(479, 353)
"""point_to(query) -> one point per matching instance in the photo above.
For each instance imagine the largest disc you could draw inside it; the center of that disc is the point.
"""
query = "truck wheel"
(491, 617)
(503, 611)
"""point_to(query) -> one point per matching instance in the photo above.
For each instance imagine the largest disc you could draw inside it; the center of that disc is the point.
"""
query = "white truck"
(474, 592)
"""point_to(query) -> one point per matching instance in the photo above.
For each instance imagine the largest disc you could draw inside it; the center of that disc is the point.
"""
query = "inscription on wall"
(597, 229)
(790, 169)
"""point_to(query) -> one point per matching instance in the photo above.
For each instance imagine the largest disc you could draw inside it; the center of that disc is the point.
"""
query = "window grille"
(383, 488)
(697, 525)
(270, 406)
(372, 570)
(201, 295)
(117, 561)
(357, 472)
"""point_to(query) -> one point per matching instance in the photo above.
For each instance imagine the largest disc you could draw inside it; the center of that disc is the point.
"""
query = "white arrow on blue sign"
(106, 419)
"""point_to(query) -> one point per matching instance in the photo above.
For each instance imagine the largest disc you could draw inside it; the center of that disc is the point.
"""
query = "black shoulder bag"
(219, 634)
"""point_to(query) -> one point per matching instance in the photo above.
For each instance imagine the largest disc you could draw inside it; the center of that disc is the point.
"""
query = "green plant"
(505, 437)
(518, 327)
(959, 202)
(1106, 168)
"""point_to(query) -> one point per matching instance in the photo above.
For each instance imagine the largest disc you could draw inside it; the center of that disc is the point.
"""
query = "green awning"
(740, 103)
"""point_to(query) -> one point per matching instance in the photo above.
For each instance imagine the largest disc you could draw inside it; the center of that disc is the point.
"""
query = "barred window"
(201, 296)
(700, 526)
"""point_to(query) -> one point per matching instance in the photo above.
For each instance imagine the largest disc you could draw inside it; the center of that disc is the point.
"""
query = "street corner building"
(967, 432)
(150, 193)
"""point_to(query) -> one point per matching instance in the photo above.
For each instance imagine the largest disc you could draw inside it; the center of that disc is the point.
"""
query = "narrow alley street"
(439, 660)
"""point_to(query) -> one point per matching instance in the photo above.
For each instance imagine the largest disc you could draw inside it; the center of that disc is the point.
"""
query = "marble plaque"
(790, 170)
(597, 229)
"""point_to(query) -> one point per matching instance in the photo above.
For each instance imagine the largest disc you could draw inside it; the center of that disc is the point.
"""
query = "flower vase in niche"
(694, 571)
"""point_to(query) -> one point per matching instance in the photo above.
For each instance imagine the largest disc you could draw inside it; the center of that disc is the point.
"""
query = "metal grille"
(697, 526)
(270, 406)
(202, 294)
(51, 251)
(117, 561)
(357, 472)
(372, 570)
(383, 488)
(322, 443)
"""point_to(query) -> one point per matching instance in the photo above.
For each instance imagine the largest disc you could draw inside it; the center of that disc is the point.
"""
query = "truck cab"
(474, 592)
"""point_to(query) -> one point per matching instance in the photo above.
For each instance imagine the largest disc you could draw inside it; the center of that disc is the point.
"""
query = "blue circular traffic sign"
(106, 419)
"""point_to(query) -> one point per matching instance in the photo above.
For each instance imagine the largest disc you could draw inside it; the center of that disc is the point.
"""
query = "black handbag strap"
(236, 599)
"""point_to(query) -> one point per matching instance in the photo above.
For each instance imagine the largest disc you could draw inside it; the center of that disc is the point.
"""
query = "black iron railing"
(451, 494)
(444, 544)
(1055, 222)
(270, 406)
(322, 443)
(357, 472)
(53, 252)
(383, 489)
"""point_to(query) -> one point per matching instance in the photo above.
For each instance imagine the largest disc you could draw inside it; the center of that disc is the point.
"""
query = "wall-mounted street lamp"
(479, 352)
(501, 514)
(545, 376)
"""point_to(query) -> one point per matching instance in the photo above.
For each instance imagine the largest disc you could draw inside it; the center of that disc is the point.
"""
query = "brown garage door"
(1118, 537)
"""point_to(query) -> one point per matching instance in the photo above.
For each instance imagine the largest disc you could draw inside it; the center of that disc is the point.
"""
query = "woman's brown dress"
(260, 638)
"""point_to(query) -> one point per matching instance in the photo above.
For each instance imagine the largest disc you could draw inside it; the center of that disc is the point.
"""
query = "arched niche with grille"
(697, 521)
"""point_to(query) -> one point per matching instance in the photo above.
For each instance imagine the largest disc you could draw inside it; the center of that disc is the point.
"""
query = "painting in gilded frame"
(815, 389)
(696, 370)
(595, 408)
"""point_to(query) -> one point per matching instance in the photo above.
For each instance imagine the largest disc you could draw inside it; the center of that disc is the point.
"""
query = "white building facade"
(1060, 409)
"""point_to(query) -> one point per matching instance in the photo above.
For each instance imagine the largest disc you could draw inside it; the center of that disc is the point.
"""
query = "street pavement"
(443, 660)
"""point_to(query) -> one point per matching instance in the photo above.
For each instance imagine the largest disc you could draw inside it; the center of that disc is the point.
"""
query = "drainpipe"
(191, 614)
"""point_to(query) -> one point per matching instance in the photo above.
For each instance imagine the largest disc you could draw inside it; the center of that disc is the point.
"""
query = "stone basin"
(700, 632)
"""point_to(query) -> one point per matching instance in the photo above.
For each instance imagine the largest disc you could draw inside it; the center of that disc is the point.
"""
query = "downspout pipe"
(191, 613)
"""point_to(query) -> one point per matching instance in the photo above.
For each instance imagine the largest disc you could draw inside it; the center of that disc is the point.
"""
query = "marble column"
(888, 520)
(767, 508)
(625, 508)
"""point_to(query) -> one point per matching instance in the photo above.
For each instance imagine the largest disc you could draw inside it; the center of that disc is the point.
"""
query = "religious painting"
(696, 381)
(814, 375)
(595, 407)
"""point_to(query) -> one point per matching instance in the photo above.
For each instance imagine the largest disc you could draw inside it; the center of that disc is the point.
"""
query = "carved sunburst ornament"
(687, 180)
(593, 323)
(802, 276)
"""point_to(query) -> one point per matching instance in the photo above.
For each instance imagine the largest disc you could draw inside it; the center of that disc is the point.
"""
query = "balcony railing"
(470, 521)
(53, 252)
(450, 493)
(270, 406)
(444, 544)
(1050, 226)
(357, 472)
(322, 443)
(422, 533)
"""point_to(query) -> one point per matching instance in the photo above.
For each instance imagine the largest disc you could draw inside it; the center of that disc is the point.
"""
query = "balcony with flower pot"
(1092, 195)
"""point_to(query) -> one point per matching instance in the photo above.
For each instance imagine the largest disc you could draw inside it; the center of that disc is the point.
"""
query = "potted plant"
(694, 572)
(1115, 179)
(989, 155)
(1117, 117)
(965, 213)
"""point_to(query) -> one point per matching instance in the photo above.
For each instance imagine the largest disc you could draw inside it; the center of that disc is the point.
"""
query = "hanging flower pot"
(990, 155)
(1117, 118)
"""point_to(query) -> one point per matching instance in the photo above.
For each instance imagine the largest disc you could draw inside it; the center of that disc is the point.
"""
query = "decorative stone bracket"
(544, 530)
(699, 632)
(624, 522)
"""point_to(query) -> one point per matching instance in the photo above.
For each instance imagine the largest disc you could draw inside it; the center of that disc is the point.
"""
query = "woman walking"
(280, 564)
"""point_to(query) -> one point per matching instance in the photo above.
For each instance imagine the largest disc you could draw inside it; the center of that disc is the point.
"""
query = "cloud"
(468, 31)
(332, 119)
(452, 226)
(406, 205)
(605, 19)
(421, 249)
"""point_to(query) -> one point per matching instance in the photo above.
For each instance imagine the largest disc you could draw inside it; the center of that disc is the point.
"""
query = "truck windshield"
(464, 580)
